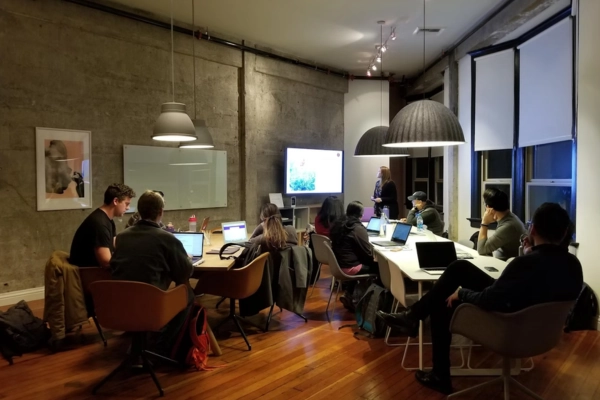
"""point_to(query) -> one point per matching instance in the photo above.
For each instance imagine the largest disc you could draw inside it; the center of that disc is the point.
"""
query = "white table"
(408, 262)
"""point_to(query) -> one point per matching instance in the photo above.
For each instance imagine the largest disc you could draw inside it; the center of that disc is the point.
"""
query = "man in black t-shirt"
(94, 240)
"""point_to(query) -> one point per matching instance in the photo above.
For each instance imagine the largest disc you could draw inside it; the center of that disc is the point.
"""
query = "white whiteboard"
(189, 178)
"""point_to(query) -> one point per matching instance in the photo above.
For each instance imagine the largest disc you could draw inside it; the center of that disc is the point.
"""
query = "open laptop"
(234, 232)
(373, 226)
(193, 243)
(434, 257)
(399, 237)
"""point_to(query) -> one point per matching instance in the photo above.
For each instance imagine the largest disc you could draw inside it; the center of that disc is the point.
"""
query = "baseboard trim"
(10, 298)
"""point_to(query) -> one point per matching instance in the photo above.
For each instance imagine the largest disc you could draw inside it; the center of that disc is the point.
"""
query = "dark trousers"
(433, 304)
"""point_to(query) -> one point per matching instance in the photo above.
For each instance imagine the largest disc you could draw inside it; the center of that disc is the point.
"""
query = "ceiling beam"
(505, 21)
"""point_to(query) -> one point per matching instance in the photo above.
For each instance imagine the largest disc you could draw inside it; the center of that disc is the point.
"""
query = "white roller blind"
(546, 86)
(494, 101)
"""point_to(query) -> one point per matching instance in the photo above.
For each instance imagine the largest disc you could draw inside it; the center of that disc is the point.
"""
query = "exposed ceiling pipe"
(203, 36)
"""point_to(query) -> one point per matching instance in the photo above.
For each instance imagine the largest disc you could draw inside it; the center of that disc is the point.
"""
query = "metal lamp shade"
(174, 124)
(371, 145)
(204, 141)
(424, 123)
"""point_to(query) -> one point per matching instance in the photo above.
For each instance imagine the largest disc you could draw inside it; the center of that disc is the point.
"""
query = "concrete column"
(451, 153)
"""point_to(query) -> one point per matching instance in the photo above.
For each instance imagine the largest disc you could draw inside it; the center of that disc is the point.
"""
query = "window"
(420, 174)
(496, 172)
(420, 183)
(549, 176)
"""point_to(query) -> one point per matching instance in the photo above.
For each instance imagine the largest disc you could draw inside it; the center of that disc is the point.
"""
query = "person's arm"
(181, 266)
(103, 256)
(499, 296)
(364, 248)
(103, 243)
(430, 216)
(503, 235)
(411, 218)
(388, 193)
(259, 230)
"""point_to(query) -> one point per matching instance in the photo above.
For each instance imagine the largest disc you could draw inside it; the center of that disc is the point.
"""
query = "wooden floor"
(294, 360)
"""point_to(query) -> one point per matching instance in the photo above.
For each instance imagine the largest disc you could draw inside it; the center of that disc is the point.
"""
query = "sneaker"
(347, 303)
(401, 321)
(433, 381)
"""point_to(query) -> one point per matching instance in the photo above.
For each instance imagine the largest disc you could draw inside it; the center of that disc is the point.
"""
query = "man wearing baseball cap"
(426, 208)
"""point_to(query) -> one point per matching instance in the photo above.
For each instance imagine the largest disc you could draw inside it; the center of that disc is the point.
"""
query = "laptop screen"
(401, 232)
(193, 242)
(234, 232)
(374, 224)
(435, 254)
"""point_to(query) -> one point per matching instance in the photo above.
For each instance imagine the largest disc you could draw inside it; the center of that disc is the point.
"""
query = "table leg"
(214, 345)
(420, 294)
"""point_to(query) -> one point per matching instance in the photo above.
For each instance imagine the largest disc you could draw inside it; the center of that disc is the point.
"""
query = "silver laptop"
(399, 237)
(234, 232)
(373, 226)
(193, 243)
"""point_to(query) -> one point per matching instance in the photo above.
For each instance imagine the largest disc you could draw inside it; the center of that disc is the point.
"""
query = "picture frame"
(63, 166)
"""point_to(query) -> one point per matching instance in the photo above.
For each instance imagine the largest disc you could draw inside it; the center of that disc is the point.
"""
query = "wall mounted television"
(310, 171)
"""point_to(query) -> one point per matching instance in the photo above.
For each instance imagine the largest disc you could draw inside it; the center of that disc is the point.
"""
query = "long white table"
(407, 261)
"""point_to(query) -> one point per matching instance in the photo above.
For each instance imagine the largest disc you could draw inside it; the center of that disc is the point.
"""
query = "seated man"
(546, 273)
(146, 253)
(93, 243)
(505, 241)
(431, 217)
(136, 215)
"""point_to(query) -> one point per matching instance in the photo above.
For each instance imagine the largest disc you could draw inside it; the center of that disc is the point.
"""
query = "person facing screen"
(385, 194)
(331, 210)
(271, 233)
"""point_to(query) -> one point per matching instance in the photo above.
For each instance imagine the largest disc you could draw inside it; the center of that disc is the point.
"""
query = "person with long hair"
(331, 210)
(385, 194)
(271, 232)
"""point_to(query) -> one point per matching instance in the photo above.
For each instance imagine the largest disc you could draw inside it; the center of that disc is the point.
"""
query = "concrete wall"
(362, 111)
(588, 128)
(67, 66)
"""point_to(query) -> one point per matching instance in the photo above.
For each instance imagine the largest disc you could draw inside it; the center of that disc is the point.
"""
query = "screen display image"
(234, 231)
(192, 242)
(313, 171)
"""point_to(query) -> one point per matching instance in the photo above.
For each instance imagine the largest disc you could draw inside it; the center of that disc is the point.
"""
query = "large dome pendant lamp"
(204, 138)
(371, 142)
(173, 124)
(424, 123)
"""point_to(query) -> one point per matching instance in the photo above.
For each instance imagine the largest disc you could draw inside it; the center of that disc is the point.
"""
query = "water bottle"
(419, 223)
(386, 211)
(382, 225)
(192, 222)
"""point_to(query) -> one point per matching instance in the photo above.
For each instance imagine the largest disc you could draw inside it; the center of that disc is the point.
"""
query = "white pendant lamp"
(173, 123)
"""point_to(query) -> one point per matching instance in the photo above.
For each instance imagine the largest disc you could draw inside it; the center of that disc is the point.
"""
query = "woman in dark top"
(385, 194)
(271, 233)
(331, 210)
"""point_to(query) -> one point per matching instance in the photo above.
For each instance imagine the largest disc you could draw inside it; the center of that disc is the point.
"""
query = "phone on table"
(491, 269)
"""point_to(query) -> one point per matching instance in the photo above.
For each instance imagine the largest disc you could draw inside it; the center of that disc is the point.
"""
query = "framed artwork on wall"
(64, 165)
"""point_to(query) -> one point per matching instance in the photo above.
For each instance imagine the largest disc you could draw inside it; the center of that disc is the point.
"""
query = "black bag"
(249, 252)
(584, 315)
(21, 331)
(375, 298)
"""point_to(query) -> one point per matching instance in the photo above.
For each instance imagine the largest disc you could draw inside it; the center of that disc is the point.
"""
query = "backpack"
(249, 252)
(21, 331)
(584, 314)
(375, 298)
(192, 344)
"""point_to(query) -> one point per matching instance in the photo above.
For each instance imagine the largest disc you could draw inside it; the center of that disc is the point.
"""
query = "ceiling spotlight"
(368, 73)
(378, 59)
(383, 49)
(393, 36)
(374, 67)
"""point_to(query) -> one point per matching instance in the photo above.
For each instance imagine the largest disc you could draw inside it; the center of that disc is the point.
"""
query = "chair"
(234, 284)
(320, 253)
(138, 308)
(526, 333)
(339, 276)
(368, 212)
(89, 275)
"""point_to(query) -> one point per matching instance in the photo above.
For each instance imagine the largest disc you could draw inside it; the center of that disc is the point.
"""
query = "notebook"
(434, 257)
(234, 232)
(373, 226)
(193, 243)
(399, 237)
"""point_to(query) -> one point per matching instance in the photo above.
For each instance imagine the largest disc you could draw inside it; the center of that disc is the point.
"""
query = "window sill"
(476, 223)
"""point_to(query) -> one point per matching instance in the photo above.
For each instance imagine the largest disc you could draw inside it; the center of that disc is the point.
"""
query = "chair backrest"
(384, 269)
(526, 333)
(319, 246)
(90, 275)
(135, 306)
(397, 283)
(243, 282)
(334, 267)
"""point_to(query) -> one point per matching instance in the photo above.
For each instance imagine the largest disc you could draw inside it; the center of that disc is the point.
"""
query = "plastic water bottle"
(386, 211)
(192, 223)
(382, 225)
(419, 223)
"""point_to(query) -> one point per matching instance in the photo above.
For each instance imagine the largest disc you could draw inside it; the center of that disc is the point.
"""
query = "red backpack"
(192, 345)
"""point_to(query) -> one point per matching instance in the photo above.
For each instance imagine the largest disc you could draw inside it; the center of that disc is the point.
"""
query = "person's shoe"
(432, 381)
(401, 321)
(347, 303)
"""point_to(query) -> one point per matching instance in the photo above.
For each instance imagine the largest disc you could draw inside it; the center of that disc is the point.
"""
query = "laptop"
(373, 226)
(193, 243)
(234, 232)
(434, 257)
(399, 237)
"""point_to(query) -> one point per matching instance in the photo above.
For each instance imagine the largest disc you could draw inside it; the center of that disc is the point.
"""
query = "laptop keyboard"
(198, 262)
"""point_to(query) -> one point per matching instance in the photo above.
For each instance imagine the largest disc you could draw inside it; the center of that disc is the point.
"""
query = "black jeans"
(433, 304)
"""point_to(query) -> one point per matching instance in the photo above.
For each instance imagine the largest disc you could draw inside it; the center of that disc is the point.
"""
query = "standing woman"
(385, 194)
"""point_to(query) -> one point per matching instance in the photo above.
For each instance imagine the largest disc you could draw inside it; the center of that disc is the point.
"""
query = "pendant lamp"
(371, 142)
(204, 139)
(424, 123)
(173, 123)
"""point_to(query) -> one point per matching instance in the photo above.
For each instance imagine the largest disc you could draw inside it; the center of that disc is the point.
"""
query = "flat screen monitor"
(310, 171)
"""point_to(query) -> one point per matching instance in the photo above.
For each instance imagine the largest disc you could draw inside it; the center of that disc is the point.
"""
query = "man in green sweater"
(506, 240)
(431, 217)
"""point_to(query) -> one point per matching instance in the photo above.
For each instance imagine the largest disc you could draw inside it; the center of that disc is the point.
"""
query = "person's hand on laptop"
(402, 219)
